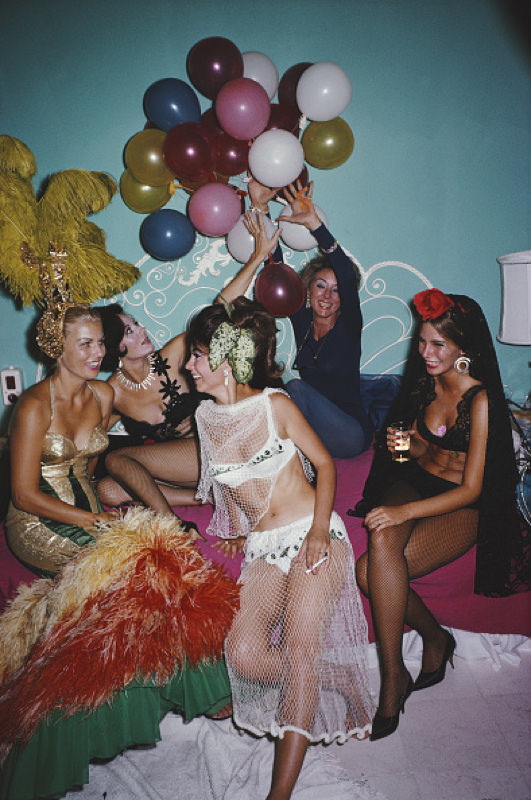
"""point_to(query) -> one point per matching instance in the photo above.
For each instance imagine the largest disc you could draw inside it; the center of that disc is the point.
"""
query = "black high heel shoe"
(427, 679)
(385, 726)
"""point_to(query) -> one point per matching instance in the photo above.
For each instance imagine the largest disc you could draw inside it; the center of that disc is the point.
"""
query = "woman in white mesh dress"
(296, 652)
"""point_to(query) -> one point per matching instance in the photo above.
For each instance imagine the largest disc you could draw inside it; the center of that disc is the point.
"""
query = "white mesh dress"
(297, 649)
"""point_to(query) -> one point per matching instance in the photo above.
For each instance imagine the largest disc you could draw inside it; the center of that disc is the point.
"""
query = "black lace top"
(457, 437)
(179, 409)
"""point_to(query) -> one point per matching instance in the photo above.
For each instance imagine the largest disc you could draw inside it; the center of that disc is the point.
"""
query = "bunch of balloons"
(243, 131)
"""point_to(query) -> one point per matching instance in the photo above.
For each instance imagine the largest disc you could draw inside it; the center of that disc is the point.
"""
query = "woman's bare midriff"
(446, 464)
(292, 498)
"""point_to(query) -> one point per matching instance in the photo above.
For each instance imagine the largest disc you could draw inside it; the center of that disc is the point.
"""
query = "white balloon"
(240, 243)
(297, 236)
(276, 158)
(323, 91)
(261, 69)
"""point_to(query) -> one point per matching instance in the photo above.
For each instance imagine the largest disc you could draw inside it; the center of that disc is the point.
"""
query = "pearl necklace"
(134, 386)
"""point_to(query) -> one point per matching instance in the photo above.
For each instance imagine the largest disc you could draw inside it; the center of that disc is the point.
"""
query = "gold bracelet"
(330, 249)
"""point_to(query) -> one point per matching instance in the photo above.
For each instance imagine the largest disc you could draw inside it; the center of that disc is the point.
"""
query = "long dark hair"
(244, 314)
(113, 333)
(503, 541)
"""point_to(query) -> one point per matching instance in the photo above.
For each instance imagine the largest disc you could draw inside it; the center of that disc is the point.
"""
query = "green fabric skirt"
(57, 756)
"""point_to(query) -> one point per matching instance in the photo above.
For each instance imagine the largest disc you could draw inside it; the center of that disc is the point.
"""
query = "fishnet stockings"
(396, 555)
(160, 475)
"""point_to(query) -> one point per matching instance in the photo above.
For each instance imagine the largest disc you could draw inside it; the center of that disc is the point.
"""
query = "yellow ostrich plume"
(58, 216)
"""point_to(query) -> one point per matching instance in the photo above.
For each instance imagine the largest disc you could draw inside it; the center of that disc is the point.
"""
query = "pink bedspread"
(448, 591)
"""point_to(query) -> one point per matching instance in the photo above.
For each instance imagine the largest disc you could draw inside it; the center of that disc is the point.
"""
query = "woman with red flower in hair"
(457, 489)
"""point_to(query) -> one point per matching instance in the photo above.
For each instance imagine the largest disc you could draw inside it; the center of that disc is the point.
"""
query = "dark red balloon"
(212, 62)
(191, 186)
(279, 289)
(287, 88)
(231, 156)
(283, 118)
(189, 152)
(210, 124)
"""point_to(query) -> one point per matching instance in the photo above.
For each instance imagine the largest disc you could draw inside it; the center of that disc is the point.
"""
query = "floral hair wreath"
(234, 344)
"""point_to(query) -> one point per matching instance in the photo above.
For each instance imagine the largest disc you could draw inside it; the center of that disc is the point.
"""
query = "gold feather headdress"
(57, 298)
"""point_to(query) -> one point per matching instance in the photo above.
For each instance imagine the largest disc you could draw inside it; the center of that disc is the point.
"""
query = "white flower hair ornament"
(237, 346)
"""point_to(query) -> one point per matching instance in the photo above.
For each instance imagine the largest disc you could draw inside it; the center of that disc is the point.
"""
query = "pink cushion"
(448, 592)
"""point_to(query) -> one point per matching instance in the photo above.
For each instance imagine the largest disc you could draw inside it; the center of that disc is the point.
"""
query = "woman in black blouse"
(327, 328)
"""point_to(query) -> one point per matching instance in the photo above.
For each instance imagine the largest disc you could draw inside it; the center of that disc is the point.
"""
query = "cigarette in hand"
(317, 564)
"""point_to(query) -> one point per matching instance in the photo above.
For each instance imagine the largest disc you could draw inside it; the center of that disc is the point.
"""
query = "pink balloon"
(243, 108)
(214, 209)
(279, 289)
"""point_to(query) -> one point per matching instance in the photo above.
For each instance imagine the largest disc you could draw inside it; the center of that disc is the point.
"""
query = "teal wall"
(439, 177)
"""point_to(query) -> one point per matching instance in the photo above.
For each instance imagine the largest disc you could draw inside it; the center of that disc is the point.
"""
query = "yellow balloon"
(144, 159)
(327, 144)
(141, 197)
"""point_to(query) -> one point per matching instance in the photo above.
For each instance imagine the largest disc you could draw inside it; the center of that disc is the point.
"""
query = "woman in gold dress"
(57, 432)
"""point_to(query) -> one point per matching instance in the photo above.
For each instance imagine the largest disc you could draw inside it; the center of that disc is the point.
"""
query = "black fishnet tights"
(394, 556)
(160, 475)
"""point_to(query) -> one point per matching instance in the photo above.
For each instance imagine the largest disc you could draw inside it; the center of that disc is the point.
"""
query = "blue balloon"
(167, 234)
(169, 102)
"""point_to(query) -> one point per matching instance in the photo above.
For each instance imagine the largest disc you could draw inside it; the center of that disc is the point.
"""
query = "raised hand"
(303, 210)
(264, 245)
(260, 195)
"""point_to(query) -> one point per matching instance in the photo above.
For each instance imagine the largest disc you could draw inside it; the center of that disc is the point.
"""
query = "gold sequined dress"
(44, 545)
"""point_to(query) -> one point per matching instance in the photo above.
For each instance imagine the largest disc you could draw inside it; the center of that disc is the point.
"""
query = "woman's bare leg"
(289, 758)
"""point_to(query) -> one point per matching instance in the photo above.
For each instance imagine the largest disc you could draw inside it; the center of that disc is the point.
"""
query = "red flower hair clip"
(432, 303)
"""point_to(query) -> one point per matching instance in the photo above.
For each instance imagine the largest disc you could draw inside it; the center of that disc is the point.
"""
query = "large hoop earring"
(226, 374)
(462, 365)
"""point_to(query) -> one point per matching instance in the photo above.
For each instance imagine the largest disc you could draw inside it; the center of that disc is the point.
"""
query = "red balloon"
(279, 289)
(189, 152)
(212, 62)
(287, 88)
(231, 156)
(210, 124)
(283, 118)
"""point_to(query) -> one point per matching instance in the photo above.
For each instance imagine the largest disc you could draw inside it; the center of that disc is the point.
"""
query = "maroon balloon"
(231, 156)
(303, 179)
(191, 186)
(210, 124)
(189, 152)
(287, 88)
(279, 289)
(212, 62)
(283, 118)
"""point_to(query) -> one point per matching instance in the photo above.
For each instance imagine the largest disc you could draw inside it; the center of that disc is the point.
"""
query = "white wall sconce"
(515, 317)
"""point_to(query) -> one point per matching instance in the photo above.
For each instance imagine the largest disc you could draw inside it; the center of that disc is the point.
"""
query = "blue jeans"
(342, 435)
